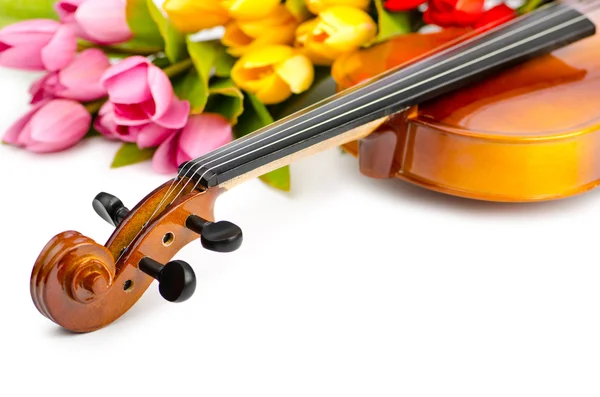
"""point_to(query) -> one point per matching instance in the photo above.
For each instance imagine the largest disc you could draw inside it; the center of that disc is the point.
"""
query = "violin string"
(504, 49)
(174, 185)
(437, 52)
(229, 152)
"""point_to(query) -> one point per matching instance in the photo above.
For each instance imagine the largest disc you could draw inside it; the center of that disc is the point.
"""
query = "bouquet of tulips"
(172, 80)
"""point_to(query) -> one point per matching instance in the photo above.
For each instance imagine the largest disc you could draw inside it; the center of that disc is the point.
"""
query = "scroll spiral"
(81, 268)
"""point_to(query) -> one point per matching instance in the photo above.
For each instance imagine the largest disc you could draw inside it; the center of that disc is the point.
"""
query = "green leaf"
(190, 88)
(175, 45)
(204, 55)
(145, 31)
(130, 154)
(279, 179)
(224, 63)
(391, 23)
(255, 116)
(12, 11)
(226, 99)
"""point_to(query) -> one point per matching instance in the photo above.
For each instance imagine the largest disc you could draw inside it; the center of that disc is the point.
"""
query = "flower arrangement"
(174, 80)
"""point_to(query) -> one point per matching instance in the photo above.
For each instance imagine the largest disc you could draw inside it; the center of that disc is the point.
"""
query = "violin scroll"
(83, 269)
(84, 286)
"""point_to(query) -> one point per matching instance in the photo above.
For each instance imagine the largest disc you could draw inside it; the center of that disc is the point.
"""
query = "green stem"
(94, 107)
(178, 68)
(529, 6)
(117, 50)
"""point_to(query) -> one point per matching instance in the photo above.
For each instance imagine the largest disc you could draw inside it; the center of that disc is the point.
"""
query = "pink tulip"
(147, 135)
(101, 21)
(37, 44)
(50, 126)
(141, 93)
(80, 80)
(202, 134)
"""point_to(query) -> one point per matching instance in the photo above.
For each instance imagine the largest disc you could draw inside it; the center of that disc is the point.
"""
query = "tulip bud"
(318, 6)
(273, 73)
(100, 21)
(336, 31)
(50, 127)
(190, 16)
(37, 44)
(242, 37)
(80, 80)
(250, 9)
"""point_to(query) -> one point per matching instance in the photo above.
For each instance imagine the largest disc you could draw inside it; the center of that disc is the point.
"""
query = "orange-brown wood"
(76, 282)
(529, 133)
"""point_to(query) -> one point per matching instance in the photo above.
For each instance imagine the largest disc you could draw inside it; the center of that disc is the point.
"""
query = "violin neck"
(335, 120)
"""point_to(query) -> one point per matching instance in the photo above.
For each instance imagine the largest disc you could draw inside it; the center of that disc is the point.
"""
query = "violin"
(489, 115)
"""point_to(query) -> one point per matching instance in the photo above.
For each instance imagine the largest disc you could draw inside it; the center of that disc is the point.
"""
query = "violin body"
(529, 133)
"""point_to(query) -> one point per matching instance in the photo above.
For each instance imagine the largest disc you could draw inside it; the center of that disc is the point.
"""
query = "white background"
(345, 287)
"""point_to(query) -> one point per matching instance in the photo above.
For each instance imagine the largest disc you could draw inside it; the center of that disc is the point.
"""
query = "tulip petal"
(81, 78)
(266, 56)
(31, 26)
(130, 86)
(12, 134)
(273, 90)
(123, 66)
(60, 120)
(161, 91)
(130, 115)
(297, 72)
(203, 133)
(104, 21)
(61, 50)
(164, 160)
(23, 57)
(151, 135)
(176, 116)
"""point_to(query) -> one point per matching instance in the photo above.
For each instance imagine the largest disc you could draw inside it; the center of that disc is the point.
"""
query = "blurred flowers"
(138, 74)
(101, 21)
(453, 12)
(191, 16)
(37, 44)
(337, 30)
(273, 73)
(50, 126)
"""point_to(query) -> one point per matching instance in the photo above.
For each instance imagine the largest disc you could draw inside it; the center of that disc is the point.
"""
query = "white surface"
(345, 287)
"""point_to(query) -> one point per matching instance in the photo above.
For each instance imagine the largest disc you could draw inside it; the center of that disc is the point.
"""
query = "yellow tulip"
(244, 36)
(273, 73)
(336, 31)
(318, 6)
(190, 16)
(250, 9)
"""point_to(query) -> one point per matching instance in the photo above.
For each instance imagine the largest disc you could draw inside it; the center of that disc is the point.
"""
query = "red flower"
(495, 16)
(448, 13)
(402, 5)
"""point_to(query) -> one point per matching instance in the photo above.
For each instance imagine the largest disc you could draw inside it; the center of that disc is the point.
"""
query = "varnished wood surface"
(527, 134)
(76, 282)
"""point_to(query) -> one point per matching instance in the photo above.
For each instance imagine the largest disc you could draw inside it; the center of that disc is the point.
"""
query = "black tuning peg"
(176, 280)
(110, 208)
(220, 236)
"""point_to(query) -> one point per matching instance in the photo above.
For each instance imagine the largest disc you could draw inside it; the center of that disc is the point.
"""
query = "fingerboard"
(533, 34)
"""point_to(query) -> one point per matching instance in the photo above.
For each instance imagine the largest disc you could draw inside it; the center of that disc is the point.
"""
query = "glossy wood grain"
(529, 133)
(76, 282)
